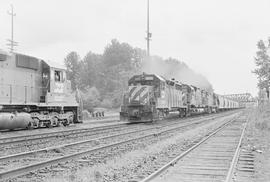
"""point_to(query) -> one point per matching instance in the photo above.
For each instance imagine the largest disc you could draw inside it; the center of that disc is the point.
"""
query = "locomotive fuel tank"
(10, 121)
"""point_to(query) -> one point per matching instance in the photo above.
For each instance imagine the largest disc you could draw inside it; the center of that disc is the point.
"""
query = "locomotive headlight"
(135, 112)
(1, 107)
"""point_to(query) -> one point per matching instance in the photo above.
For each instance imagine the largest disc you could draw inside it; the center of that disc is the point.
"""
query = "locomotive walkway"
(212, 159)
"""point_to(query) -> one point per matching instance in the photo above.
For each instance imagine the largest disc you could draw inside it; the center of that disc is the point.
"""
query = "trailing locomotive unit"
(35, 93)
(151, 97)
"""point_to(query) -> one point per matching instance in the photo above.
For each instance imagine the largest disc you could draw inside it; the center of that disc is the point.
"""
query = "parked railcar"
(151, 97)
(226, 103)
(35, 93)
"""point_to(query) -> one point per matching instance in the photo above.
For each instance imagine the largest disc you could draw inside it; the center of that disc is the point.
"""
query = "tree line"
(102, 78)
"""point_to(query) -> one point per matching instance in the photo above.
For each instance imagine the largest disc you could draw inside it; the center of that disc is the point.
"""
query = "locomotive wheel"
(36, 123)
(71, 119)
(54, 121)
(48, 124)
(160, 115)
(30, 126)
(57, 122)
(65, 122)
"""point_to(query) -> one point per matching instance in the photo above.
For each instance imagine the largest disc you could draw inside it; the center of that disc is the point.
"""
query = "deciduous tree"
(72, 62)
(262, 61)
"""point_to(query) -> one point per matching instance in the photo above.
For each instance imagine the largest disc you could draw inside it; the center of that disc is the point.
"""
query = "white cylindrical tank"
(14, 121)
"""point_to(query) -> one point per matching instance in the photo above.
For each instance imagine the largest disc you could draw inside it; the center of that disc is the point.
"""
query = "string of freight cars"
(152, 97)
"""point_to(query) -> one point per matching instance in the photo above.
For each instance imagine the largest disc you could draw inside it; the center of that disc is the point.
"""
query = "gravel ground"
(135, 163)
(43, 143)
(257, 142)
(95, 157)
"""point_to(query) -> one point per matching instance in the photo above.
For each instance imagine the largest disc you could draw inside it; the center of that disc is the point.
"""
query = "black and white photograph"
(134, 91)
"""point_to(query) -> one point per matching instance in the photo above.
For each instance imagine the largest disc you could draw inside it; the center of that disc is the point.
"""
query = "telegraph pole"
(149, 35)
(11, 41)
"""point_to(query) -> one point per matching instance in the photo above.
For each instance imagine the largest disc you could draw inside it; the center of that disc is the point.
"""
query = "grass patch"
(261, 118)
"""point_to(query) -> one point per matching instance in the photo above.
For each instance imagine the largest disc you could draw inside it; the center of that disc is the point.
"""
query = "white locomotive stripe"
(138, 92)
(144, 98)
(145, 90)
(131, 89)
(134, 91)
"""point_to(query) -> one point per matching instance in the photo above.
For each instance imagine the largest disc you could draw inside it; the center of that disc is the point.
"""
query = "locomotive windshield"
(142, 80)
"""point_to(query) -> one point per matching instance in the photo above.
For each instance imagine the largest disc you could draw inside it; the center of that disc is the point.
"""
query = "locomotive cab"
(56, 88)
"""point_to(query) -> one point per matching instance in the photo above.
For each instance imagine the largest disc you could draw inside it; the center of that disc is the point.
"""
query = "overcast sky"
(215, 38)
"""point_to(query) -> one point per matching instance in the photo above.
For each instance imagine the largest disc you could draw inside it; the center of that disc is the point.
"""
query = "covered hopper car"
(35, 93)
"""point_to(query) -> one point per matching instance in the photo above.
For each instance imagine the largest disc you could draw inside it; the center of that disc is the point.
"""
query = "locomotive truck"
(35, 93)
(152, 97)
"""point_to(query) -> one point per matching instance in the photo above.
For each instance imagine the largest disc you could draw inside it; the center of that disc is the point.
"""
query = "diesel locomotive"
(35, 93)
(152, 97)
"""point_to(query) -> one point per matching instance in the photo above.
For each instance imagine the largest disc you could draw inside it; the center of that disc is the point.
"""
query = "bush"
(86, 114)
(106, 103)
(91, 98)
(262, 117)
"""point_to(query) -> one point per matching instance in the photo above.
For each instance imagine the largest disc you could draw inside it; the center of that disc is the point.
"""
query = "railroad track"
(47, 135)
(24, 144)
(212, 158)
(32, 137)
(242, 167)
(80, 149)
(93, 140)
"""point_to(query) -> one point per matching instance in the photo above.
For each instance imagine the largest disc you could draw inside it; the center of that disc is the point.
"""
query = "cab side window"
(57, 76)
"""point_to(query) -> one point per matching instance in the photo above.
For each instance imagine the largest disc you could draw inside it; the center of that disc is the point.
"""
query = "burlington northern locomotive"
(152, 97)
(35, 93)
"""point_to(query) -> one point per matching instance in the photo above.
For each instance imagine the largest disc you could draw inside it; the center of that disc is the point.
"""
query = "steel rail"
(178, 157)
(236, 156)
(47, 135)
(21, 138)
(24, 154)
(22, 170)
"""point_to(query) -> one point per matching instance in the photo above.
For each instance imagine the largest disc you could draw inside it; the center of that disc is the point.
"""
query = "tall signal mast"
(149, 35)
(11, 43)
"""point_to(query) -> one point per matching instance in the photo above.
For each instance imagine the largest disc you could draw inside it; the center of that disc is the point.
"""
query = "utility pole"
(149, 35)
(11, 41)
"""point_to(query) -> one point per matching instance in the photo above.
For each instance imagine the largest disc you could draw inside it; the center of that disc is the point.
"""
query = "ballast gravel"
(134, 165)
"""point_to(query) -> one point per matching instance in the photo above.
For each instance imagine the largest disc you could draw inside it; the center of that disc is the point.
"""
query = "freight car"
(226, 103)
(35, 93)
(151, 97)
